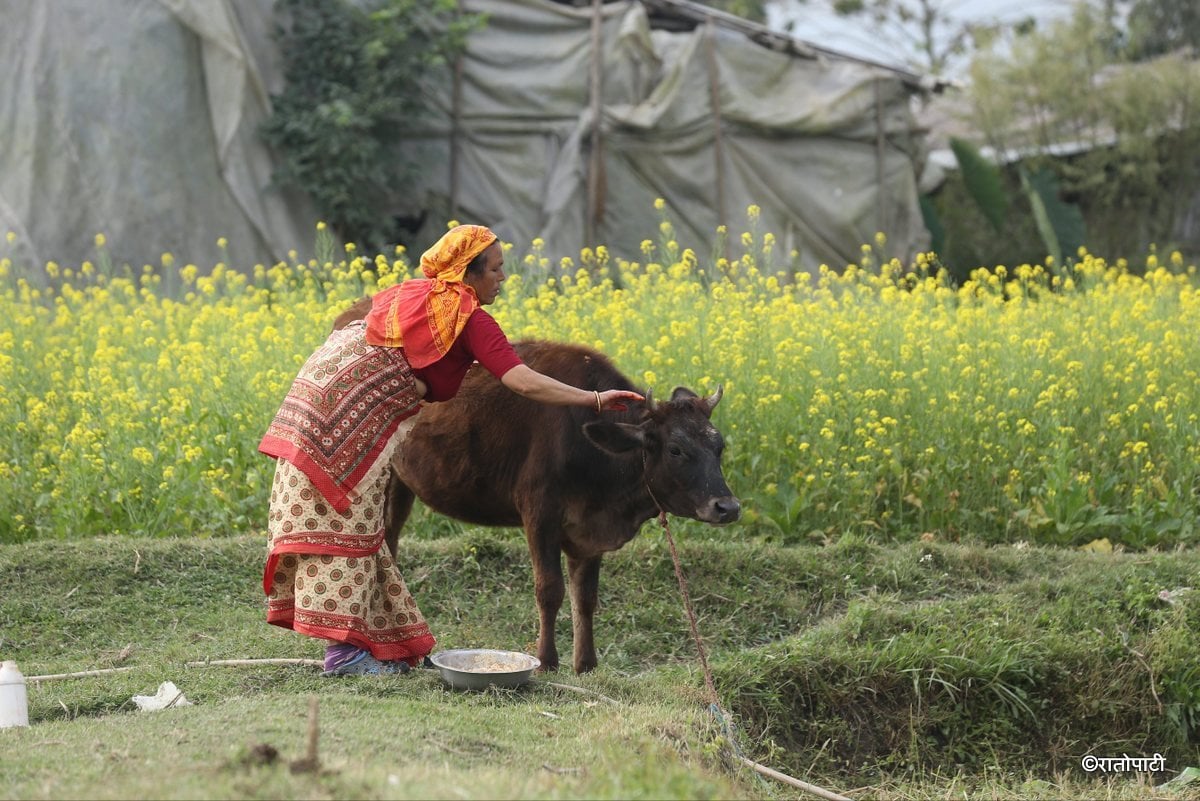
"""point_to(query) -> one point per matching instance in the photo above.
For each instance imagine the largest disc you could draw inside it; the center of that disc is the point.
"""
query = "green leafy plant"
(1034, 191)
(1120, 136)
(982, 179)
(1060, 224)
(355, 75)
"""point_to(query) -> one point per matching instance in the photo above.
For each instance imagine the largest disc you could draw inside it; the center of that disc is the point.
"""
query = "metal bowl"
(480, 668)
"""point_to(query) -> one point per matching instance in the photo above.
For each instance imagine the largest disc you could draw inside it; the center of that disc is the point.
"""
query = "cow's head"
(681, 454)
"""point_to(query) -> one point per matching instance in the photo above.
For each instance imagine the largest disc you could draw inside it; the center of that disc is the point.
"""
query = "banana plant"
(1060, 224)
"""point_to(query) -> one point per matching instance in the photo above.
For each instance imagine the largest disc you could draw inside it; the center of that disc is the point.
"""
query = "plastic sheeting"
(827, 148)
(140, 118)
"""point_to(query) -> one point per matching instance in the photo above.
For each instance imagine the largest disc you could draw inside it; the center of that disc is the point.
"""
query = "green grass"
(925, 670)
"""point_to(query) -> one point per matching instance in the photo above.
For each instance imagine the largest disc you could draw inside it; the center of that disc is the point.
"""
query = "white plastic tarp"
(827, 148)
(140, 119)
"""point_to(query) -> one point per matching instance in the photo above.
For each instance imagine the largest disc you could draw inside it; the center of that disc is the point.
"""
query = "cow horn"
(650, 404)
(712, 400)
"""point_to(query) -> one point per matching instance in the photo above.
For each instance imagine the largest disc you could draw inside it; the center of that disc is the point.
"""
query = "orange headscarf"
(426, 315)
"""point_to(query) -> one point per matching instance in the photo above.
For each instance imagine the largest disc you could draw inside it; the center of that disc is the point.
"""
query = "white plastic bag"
(168, 695)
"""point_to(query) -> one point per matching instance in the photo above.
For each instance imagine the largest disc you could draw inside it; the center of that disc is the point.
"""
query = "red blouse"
(482, 341)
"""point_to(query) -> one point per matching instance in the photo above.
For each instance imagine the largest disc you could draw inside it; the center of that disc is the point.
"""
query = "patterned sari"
(327, 574)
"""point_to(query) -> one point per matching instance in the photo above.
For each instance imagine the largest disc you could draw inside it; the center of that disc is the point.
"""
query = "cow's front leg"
(548, 589)
(585, 589)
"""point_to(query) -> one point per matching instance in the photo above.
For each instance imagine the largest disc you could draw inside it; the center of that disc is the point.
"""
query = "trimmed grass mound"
(905, 671)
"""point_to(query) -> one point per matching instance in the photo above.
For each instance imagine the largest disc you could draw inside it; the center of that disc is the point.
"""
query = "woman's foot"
(346, 660)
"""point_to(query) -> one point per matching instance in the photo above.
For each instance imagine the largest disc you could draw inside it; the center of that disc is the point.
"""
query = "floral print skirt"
(329, 574)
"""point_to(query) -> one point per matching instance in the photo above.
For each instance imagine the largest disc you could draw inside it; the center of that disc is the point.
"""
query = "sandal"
(367, 665)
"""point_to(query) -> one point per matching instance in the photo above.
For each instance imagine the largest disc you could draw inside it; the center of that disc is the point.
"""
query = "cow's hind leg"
(585, 589)
(397, 506)
(548, 586)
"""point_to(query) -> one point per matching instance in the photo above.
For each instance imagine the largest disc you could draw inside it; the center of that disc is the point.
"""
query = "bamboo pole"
(880, 144)
(714, 94)
(83, 674)
(455, 133)
(79, 675)
(595, 185)
(813, 789)
(237, 662)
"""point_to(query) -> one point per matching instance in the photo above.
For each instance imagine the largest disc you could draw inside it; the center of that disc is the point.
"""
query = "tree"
(354, 74)
(1120, 137)
(1158, 27)
(931, 30)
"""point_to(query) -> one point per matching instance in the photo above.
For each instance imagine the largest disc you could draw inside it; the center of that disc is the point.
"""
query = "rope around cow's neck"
(715, 707)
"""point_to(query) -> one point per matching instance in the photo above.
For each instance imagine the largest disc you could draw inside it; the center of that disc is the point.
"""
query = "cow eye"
(675, 451)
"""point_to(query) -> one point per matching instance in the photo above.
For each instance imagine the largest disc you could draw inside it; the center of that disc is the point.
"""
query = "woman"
(327, 574)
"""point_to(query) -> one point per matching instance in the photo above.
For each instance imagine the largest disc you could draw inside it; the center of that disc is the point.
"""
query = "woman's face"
(486, 282)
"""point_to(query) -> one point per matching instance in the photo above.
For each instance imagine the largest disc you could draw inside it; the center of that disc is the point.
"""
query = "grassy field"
(924, 670)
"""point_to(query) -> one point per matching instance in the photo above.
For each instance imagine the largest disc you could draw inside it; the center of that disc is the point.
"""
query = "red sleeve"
(488, 345)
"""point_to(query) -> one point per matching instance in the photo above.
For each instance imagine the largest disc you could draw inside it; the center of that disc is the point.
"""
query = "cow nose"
(727, 509)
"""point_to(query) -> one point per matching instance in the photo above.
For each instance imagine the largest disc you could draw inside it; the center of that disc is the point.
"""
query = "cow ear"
(614, 438)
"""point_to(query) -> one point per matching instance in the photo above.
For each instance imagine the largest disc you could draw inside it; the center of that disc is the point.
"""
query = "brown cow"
(578, 482)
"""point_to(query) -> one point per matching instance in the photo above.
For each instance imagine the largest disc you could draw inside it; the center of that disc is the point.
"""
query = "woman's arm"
(526, 381)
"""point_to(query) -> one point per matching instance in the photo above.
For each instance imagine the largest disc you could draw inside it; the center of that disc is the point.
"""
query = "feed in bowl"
(477, 668)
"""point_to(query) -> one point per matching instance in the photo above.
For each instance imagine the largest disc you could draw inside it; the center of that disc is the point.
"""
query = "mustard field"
(1040, 403)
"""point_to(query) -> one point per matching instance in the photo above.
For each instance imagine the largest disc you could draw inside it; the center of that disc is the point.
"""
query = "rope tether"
(715, 707)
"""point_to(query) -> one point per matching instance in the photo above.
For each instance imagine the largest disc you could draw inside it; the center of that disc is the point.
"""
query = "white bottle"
(14, 704)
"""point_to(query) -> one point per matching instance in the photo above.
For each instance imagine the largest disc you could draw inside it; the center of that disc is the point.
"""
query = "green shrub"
(354, 77)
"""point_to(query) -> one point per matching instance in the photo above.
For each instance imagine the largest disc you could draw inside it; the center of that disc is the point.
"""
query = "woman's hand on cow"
(525, 381)
(615, 400)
